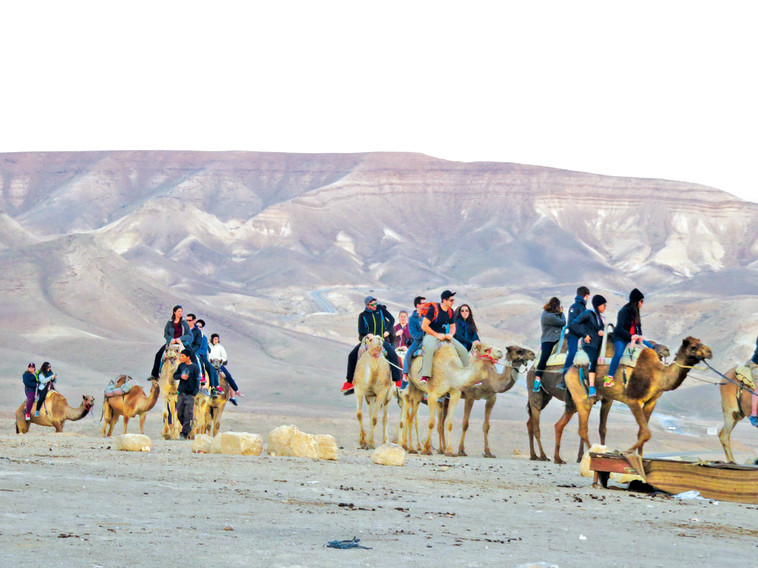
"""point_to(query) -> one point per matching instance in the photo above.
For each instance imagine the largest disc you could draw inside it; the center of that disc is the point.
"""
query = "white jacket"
(218, 352)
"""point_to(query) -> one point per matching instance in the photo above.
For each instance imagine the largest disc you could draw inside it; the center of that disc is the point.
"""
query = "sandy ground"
(72, 500)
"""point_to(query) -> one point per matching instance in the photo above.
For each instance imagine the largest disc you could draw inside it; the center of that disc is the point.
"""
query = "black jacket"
(589, 323)
(576, 309)
(375, 322)
(192, 384)
(30, 380)
(622, 331)
(197, 339)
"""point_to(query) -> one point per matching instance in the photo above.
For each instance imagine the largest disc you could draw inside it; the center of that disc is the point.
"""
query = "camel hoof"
(462, 454)
(426, 453)
(450, 454)
(534, 458)
(559, 461)
(488, 455)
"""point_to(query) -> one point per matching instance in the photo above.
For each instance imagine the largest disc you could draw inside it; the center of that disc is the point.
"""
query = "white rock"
(290, 441)
(280, 440)
(304, 445)
(133, 443)
(327, 447)
(388, 454)
(202, 444)
(237, 444)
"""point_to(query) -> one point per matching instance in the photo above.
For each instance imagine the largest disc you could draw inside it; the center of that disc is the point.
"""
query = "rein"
(723, 376)
(692, 366)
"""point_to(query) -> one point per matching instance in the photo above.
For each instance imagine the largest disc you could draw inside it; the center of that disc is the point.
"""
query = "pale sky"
(654, 89)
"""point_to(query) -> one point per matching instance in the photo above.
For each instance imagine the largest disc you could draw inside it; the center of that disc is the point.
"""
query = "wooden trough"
(713, 480)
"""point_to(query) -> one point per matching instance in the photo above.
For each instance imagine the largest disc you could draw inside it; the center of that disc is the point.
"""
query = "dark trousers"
(228, 377)
(185, 410)
(593, 353)
(546, 349)
(573, 347)
(31, 392)
(155, 372)
(42, 396)
(352, 361)
(210, 370)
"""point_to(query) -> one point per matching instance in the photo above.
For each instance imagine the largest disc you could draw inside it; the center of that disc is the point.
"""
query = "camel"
(134, 403)
(494, 384)
(449, 377)
(649, 379)
(208, 410)
(54, 412)
(736, 403)
(168, 386)
(373, 382)
(539, 400)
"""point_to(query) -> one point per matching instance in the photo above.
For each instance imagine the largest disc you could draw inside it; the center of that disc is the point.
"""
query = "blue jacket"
(464, 334)
(204, 348)
(197, 339)
(30, 380)
(414, 326)
(576, 309)
(589, 323)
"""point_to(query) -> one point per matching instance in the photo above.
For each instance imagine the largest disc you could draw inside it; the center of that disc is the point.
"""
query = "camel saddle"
(114, 389)
(744, 374)
(629, 358)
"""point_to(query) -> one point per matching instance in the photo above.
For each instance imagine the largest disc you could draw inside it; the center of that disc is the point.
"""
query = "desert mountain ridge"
(276, 251)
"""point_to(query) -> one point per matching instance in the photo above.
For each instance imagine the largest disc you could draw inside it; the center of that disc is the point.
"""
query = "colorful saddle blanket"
(113, 390)
(629, 358)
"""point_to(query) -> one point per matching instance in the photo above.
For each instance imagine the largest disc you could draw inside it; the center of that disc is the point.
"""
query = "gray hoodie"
(552, 324)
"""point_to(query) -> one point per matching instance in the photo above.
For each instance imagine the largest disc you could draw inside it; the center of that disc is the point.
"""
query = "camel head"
(692, 347)
(518, 356)
(172, 351)
(487, 352)
(88, 401)
(373, 344)
(216, 363)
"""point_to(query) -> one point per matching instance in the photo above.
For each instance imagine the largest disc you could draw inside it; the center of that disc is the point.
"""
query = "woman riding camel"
(465, 327)
(46, 379)
(30, 387)
(628, 330)
(590, 325)
(218, 352)
(177, 330)
(552, 322)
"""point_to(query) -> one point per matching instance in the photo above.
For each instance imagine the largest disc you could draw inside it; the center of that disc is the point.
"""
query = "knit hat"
(635, 296)
(367, 300)
(597, 301)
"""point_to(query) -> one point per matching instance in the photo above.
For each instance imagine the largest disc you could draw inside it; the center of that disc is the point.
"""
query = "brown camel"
(129, 405)
(449, 377)
(372, 381)
(54, 412)
(648, 381)
(208, 409)
(168, 386)
(539, 400)
(494, 384)
(736, 404)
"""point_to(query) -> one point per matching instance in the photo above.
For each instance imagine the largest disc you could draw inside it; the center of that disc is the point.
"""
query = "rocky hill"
(276, 251)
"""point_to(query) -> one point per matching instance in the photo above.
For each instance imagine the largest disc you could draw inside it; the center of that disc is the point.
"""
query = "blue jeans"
(573, 347)
(618, 352)
(415, 346)
(229, 379)
(211, 371)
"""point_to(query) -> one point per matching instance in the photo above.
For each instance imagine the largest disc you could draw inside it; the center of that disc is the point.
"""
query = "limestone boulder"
(133, 443)
(327, 447)
(290, 441)
(388, 454)
(280, 440)
(237, 444)
(202, 444)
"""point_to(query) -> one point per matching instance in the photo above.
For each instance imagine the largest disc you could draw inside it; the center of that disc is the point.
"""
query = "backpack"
(423, 310)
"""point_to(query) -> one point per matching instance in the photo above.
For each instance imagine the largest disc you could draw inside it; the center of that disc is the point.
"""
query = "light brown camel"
(168, 386)
(54, 412)
(649, 379)
(736, 404)
(372, 381)
(129, 405)
(449, 377)
(539, 400)
(208, 409)
(493, 384)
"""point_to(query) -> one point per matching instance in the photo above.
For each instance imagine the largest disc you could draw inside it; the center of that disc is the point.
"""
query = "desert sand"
(71, 499)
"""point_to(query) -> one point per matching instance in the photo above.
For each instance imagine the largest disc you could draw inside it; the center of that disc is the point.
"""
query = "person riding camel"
(439, 325)
(46, 378)
(591, 325)
(176, 330)
(30, 387)
(417, 335)
(753, 365)
(628, 330)
(576, 309)
(375, 319)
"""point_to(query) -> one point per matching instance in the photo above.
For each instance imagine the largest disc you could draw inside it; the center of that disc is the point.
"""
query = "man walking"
(188, 376)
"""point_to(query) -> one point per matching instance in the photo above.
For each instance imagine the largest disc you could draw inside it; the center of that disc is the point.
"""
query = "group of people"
(429, 324)
(37, 385)
(586, 326)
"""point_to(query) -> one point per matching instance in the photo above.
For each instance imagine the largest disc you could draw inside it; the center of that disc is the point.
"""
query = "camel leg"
(106, 416)
(488, 406)
(403, 424)
(126, 422)
(643, 434)
(467, 406)
(559, 427)
(58, 427)
(649, 407)
(385, 414)
(373, 407)
(142, 422)
(534, 409)
(441, 417)
(605, 409)
(359, 416)
(414, 421)
(725, 435)
(454, 398)
(432, 402)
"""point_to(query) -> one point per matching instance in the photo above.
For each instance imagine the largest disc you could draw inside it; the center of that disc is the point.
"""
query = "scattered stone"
(202, 444)
(290, 441)
(237, 444)
(388, 454)
(133, 443)
(280, 440)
